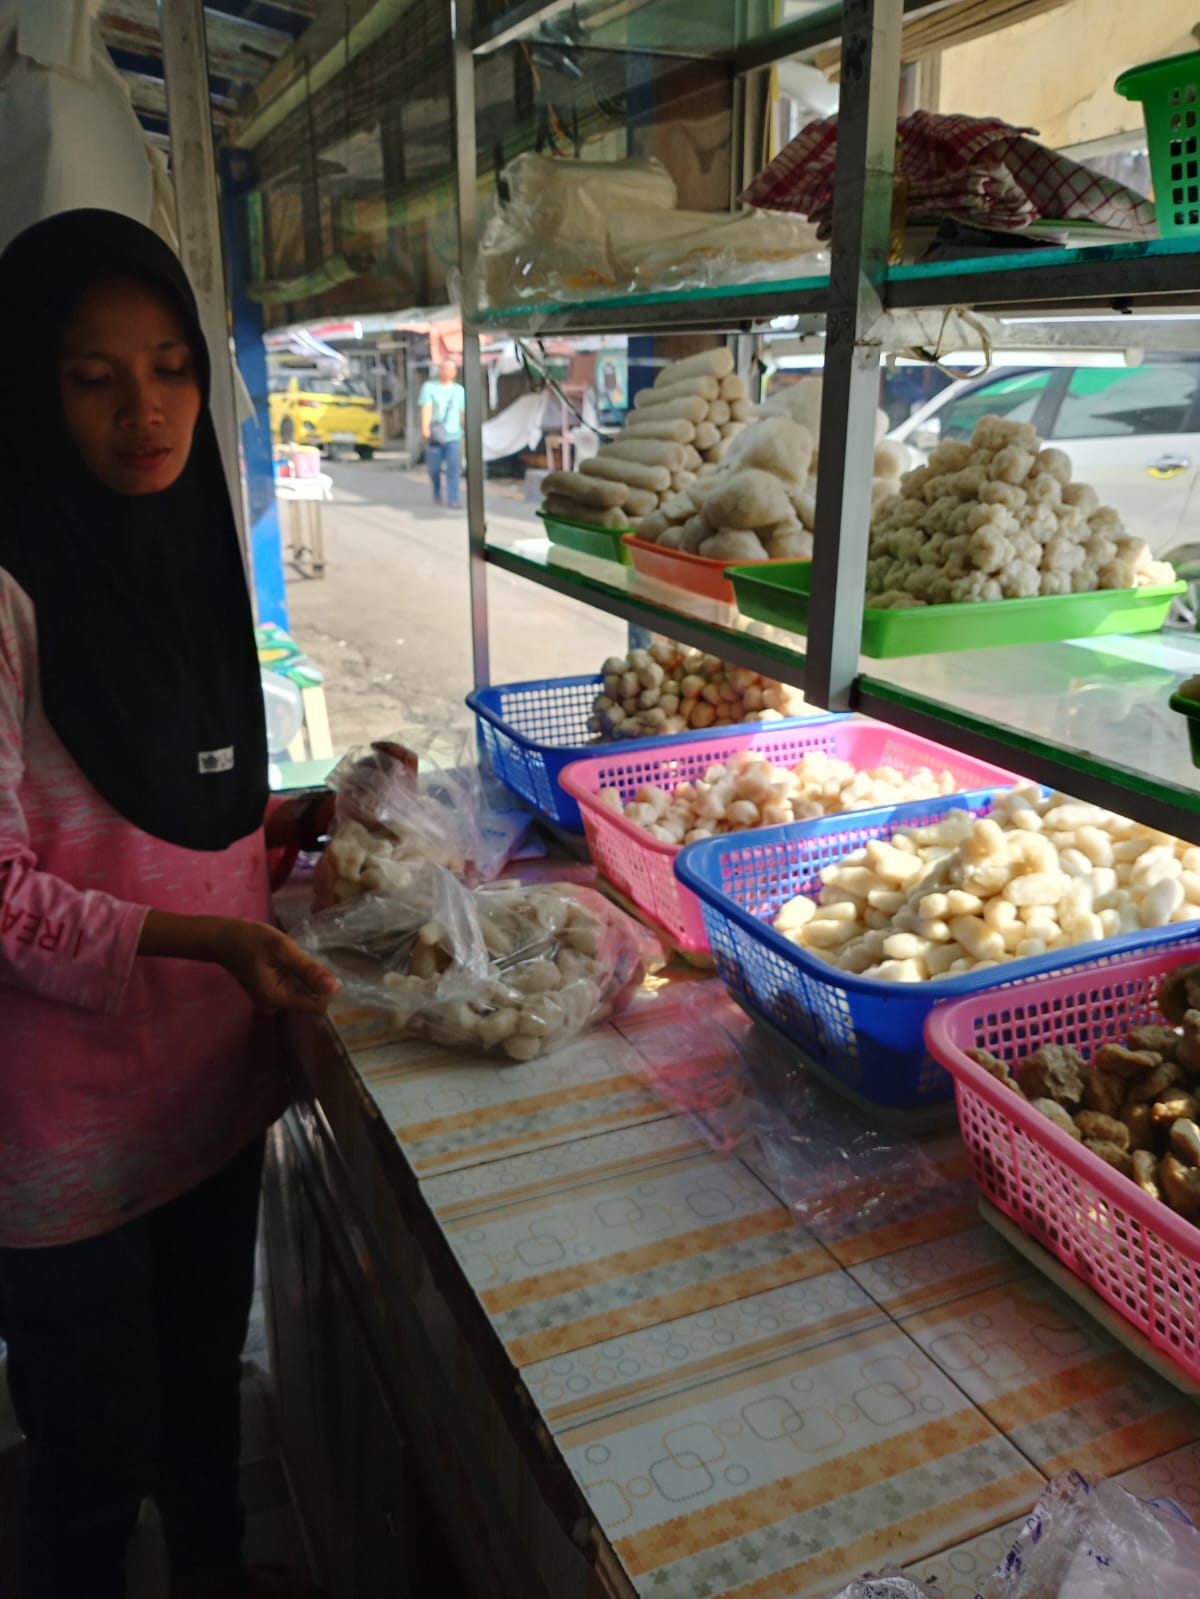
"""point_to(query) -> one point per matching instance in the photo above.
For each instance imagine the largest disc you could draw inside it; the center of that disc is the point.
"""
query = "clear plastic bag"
(887, 1586)
(550, 236)
(1098, 1541)
(401, 800)
(694, 249)
(519, 969)
(573, 228)
(839, 1173)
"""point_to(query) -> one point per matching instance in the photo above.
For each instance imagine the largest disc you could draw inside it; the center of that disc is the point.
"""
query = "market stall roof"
(246, 38)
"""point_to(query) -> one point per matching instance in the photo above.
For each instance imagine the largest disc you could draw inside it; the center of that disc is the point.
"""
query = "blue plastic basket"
(865, 1033)
(530, 731)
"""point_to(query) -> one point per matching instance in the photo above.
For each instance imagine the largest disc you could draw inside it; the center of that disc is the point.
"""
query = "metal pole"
(862, 209)
(463, 24)
(198, 217)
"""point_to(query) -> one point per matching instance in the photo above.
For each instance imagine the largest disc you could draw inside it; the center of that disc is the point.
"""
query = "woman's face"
(130, 393)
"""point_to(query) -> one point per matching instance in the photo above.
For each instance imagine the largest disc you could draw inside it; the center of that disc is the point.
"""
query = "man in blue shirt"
(442, 404)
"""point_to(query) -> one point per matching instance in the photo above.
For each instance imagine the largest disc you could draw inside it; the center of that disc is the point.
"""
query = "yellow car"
(338, 411)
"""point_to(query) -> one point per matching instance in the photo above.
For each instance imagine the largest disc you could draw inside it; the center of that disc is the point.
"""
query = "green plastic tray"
(603, 543)
(1191, 709)
(780, 597)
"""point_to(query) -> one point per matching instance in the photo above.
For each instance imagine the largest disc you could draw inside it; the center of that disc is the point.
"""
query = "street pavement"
(389, 623)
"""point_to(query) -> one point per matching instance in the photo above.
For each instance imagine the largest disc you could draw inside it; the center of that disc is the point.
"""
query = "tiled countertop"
(754, 1408)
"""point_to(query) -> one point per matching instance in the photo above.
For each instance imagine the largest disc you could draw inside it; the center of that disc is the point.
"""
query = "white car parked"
(1133, 432)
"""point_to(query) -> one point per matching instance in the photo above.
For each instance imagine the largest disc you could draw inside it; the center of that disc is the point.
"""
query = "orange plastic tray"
(697, 573)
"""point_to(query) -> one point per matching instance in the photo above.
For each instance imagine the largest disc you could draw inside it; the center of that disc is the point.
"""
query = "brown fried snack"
(1180, 1185)
(1173, 1104)
(1145, 1172)
(1156, 1082)
(1158, 1040)
(1138, 1117)
(997, 1068)
(1124, 1062)
(1187, 1050)
(1185, 1141)
(1179, 992)
(1107, 1129)
(1105, 1092)
(1056, 1072)
(1053, 1111)
(1112, 1154)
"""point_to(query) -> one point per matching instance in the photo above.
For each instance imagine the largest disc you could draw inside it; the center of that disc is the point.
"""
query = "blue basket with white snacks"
(865, 1032)
(530, 731)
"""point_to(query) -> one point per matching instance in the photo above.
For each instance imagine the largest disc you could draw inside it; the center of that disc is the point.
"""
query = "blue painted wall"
(266, 548)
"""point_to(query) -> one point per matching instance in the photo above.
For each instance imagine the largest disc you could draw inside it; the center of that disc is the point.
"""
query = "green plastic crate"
(1186, 706)
(602, 543)
(1169, 91)
(780, 597)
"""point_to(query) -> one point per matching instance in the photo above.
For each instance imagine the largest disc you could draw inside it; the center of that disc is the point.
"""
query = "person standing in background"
(442, 405)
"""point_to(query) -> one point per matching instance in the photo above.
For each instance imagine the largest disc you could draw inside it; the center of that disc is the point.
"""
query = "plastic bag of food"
(426, 927)
(550, 235)
(886, 1586)
(1098, 1541)
(402, 800)
(515, 968)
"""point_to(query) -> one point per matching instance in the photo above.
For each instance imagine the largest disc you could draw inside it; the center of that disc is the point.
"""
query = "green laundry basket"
(1170, 94)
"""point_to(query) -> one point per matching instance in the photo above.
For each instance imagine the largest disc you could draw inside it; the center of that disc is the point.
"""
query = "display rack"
(1089, 718)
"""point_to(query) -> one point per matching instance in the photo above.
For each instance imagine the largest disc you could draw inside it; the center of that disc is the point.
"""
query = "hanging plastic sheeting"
(68, 133)
(520, 425)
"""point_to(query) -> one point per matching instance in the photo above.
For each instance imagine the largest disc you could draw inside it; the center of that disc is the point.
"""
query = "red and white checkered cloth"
(983, 172)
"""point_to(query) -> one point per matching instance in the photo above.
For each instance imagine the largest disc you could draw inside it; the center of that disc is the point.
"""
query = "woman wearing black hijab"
(136, 954)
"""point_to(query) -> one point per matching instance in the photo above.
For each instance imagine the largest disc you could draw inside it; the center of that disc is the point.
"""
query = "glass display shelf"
(711, 30)
(1158, 271)
(715, 308)
(1090, 717)
(619, 590)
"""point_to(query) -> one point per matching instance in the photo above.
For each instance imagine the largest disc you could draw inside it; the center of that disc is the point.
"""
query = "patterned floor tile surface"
(756, 1408)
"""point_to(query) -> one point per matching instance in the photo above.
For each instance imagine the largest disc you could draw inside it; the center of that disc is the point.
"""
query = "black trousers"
(124, 1364)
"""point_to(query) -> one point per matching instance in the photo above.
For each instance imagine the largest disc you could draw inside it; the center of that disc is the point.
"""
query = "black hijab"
(148, 667)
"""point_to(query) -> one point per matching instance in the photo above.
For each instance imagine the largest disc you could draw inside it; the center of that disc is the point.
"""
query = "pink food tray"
(1134, 1251)
(644, 868)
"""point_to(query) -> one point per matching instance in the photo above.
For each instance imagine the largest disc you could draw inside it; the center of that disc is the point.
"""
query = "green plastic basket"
(780, 597)
(1186, 706)
(1169, 91)
(603, 543)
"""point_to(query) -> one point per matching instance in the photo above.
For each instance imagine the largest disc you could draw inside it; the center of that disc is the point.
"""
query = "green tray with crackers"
(780, 596)
(602, 543)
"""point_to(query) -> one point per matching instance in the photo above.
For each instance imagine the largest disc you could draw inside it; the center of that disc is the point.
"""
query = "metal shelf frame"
(865, 308)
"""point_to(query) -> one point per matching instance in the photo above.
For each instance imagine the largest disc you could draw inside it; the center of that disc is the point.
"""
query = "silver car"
(1133, 432)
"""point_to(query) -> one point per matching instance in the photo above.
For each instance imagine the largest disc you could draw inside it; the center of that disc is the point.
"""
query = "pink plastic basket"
(1132, 1250)
(644, 868)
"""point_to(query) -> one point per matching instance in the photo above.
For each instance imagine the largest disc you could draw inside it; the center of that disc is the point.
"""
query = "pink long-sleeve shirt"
(124, 1081)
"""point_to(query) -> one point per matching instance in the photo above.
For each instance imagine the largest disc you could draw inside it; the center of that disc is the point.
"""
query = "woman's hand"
(275, 972)
(271, 967)
(301, 821)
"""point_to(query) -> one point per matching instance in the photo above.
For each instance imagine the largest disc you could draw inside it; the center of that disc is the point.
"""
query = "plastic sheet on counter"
(410, 798)
(519, 969)
(830, 1164)
(1098, 1541)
